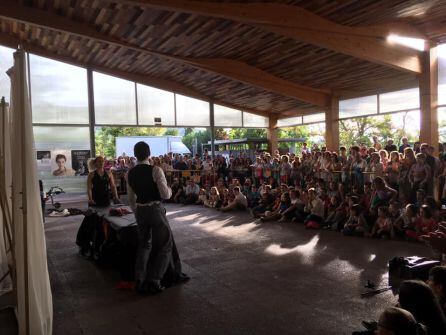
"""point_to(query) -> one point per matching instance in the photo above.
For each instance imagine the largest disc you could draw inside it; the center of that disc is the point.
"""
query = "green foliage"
(201, 137)
(171, 132)
(236, 133)
(361, 130)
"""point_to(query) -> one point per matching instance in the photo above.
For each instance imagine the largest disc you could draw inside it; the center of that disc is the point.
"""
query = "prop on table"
(121, 211)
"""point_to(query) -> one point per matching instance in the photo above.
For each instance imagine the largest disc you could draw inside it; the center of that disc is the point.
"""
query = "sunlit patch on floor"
(225, 227)
(342, 270)
(307, 250)
(188, 217)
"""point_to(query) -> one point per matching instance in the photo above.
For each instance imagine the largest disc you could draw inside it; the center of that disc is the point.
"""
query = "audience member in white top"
(239, 202)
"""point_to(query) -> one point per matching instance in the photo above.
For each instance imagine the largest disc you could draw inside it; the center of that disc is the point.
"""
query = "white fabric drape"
(35, 310)
(5, 201)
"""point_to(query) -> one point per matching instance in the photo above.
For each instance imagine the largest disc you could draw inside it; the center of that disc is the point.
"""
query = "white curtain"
(6, 262)
(35, 309)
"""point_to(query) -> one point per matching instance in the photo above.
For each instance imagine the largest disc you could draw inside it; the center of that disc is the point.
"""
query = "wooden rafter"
(367, 43)
(231, 69)
(160, 83)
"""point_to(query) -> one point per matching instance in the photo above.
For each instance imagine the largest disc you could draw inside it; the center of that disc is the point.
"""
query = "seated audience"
(238, 202)
(437, 282)
(398, 321)
(418, 298)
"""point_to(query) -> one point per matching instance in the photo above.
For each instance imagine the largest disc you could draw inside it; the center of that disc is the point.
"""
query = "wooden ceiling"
(286, 59)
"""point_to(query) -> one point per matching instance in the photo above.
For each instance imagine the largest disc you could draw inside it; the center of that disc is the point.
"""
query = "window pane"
(71, 142)
(312, 118)
(192, 112)
(114, 100)
(442, 123)
(154, 103)
(227, 117)
(59, 92)
(442, 74)
(255, 121)
(6, 61)
(358, 106)
(289, 121)
(399, 100)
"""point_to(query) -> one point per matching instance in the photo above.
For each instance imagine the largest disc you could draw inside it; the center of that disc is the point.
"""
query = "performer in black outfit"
(147, 186)
(99, 184)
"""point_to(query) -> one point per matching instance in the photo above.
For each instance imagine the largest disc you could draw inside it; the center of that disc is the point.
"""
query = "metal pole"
(91, 114)
(212, 123)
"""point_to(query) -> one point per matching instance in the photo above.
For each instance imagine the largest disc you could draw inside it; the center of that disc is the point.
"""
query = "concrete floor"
(247, 278)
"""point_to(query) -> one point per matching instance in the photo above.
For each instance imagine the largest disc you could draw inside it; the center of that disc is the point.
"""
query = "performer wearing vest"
(147, 186)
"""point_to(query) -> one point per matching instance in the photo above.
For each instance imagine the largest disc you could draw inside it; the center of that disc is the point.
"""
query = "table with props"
(109, 236)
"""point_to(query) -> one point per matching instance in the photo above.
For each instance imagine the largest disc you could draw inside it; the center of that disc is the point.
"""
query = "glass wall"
(388, 126)
(314, 118)
(289, 121)
(6, 62)
(62, 155)
(442, 124)
(358, 107)
(227, 117)
(59, 93)
(255, 121)
(114, 100)
(155, 104)
(192, 112)
(442, 75)
(399, 100)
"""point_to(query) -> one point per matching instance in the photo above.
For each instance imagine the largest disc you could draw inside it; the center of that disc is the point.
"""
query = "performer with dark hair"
(157, 256)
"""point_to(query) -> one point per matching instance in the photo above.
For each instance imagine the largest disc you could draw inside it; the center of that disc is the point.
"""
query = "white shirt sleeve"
(132, 198)
(161, 182)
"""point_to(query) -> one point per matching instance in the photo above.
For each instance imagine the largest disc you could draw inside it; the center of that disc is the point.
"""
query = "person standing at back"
(147, 186)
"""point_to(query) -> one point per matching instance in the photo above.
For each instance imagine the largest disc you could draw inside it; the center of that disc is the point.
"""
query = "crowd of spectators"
(382, 191)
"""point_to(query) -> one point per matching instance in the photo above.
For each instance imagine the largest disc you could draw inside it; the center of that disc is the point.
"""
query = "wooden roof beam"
(367, 43)
(159, 83)
(231, 69)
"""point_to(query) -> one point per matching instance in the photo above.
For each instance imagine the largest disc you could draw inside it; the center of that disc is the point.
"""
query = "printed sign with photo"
(44, 160)
(79, 161)
(61, 164)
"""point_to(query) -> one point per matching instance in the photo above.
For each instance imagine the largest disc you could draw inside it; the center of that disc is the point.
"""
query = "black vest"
(141, 181)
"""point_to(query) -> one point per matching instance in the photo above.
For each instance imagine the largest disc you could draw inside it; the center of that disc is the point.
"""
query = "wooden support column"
(429, 98)
(332, 125)
(272, 134)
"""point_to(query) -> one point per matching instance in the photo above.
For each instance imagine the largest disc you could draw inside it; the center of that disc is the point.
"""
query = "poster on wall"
(61, 164)
(44, 160)
(79, 161)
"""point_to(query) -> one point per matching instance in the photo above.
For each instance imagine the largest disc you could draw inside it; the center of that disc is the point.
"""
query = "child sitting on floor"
(383, 225)
(424, 225)
(356, 224)
(214, 198)
(277, 213)
(406, 221)
(201, 197)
